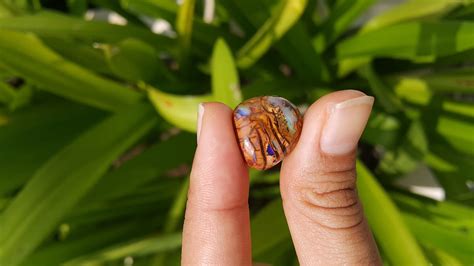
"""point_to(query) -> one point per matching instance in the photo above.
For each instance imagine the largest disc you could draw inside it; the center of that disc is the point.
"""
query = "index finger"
(217, 226)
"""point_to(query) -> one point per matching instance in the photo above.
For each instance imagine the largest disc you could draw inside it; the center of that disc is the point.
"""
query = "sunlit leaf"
(184, 28)
(407, 11)
(225, 79)
(24, 54)
(271, 31)
(411, 40)
(137, 248)
(410, 10)
(179, 110)
(384, 219)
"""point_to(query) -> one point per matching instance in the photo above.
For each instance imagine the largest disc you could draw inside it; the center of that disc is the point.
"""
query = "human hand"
(317, 183)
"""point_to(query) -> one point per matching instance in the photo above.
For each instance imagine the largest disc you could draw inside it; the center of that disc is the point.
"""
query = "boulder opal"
(267, 128)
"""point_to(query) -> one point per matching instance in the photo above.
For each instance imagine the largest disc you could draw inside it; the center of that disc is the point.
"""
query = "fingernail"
(345, 125)
(199, 120)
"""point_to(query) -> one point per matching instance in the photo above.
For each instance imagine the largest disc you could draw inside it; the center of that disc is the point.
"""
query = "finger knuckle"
(331, 201)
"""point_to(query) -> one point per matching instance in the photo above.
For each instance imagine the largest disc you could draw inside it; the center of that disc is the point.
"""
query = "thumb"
(318, 184)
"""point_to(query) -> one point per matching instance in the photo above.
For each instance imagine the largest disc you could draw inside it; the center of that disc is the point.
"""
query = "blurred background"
(98, 102)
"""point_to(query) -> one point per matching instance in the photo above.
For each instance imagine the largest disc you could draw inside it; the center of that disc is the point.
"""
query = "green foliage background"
(93, 168)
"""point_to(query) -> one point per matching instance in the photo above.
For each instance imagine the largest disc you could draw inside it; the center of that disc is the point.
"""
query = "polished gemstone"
(267, 128)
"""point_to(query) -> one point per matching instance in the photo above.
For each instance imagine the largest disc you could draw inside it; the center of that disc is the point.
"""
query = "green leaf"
(266, 235)
(447, 213)
(382, 129)
(411, 41)
(384, 219)
(457, 132)
(85, 55)
(88, 241)
(180, 111)
(407, 11)
(7, 10)
(55, 123)
(455, 242)
(225, 79)
(165, 9)
(135, 248)
(151, 163)
(77, 7)
(408, 153)
(461, 80)
(438, 256)
(114, 5)
(24, 54)
(384, 95)
(7, 94)
(184, 28)
(342, 15)
(26, 5)
(411, 10)
(174, 218)
(272, 30)
(51, 24)
(135, 61)
(59, 184)
(464, 13)
(295, 46)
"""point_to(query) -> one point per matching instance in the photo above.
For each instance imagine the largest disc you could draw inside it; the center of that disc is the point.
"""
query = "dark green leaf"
(34, 213)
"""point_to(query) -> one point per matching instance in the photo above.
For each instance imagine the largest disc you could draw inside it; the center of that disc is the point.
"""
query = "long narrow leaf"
(272, 30)
(412, 9)
(51, 24)
(407, 11)
(166, 9)
(180, 111)
(64, 179)
(140, 247)
(25, 54)
(344, 12)
(184, 28)
(384, 219)
(225, 79)
(55, 123)
(411, 40)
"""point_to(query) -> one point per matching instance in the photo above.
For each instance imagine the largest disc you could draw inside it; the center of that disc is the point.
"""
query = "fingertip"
(218, 168)
(317, 146)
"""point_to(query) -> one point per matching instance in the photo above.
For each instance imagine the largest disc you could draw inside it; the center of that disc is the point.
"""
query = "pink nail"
(345, 125)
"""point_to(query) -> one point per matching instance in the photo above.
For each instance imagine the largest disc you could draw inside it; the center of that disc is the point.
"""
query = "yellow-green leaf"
(385, 219)
(272, 30)
(24, 54)
(184, 28)
(179, 110)
(225, 79)
(407, 11)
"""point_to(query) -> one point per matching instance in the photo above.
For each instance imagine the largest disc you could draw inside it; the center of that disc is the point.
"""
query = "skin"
(320, 200)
